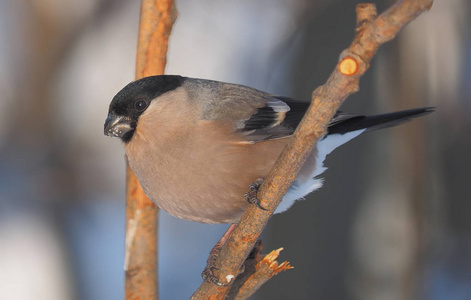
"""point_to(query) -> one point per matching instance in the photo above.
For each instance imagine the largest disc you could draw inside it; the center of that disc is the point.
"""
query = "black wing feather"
(276, 121)
(350, 122)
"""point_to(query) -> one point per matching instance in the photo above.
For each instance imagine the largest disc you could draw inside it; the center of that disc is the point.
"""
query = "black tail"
(343, 123)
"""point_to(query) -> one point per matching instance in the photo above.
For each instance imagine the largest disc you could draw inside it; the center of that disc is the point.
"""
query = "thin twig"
(264, 270)
(157, 18)
(372, 31)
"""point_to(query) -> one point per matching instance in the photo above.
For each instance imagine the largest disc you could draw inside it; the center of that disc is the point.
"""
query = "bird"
(196, 145)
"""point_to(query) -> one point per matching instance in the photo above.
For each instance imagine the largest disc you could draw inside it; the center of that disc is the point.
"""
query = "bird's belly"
(203, 179)
(201, 197)
(207, 188)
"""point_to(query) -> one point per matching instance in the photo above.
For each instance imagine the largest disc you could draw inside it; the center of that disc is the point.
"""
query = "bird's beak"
(117, 126)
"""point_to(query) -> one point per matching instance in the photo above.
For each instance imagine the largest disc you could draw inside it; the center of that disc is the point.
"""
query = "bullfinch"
(196, 145)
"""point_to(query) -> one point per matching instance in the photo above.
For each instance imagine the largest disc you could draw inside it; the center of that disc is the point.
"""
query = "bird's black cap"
(134, 99)
(147, 88)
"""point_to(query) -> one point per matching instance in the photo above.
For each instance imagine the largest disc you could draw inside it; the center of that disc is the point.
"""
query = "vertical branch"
(157, 19)
(140, 263)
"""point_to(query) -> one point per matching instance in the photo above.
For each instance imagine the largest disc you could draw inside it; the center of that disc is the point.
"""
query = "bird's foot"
(251, 195)
(208, 272)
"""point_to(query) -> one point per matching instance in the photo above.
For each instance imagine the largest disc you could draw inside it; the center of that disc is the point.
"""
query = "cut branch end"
(349, 66)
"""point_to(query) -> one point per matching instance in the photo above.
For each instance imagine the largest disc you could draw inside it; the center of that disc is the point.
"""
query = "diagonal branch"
(140, 263)
(371, 32)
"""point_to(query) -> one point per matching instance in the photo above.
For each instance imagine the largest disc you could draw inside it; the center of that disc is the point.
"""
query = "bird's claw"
(208, 274)
(251, 195)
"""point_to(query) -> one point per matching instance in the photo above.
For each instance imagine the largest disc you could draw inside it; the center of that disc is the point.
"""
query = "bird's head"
(133, 100)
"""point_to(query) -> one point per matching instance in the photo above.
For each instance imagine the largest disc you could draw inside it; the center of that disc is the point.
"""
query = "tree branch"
(140, 263)
(371, 32)
(264, 269)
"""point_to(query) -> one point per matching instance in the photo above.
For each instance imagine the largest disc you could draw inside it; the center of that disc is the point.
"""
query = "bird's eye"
(140, 105)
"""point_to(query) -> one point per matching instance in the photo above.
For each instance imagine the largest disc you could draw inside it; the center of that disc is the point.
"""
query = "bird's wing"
(280, 116)
(258, 116)
(254, 115)
(277, 118)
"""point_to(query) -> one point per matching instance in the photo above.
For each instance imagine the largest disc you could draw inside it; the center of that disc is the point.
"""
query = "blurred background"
(393, 220)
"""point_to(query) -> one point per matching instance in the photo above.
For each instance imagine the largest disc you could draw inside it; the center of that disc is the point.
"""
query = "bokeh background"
(393, 220)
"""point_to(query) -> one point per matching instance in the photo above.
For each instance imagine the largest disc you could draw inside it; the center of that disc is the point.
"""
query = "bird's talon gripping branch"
(208, 274)
(251, 195)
